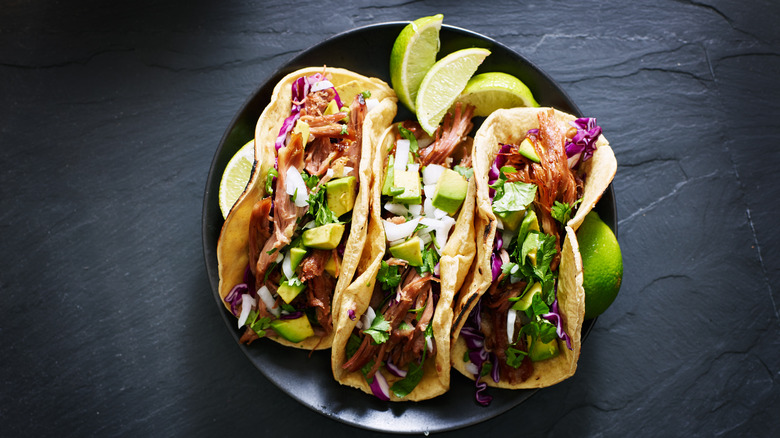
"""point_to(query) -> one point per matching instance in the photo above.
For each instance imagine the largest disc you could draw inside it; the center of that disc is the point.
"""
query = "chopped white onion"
(511, 317)
(429, 343)
(396, 242)
(431, 225)
(310, 224)
(472, 369)
(413, 167)
(402, 153)
(287, 266)
(296, 186)
(440, 214)
(321, 85)
(428, 207)
(499, 223)
(397, 209)
(269, 301)
(371, 104)
(247, 302)
(432, 173)
(443, 233)
(425, 238)
(368, 318)
(348, 170)
(402, 231)
(424, 142)
(329, 173)
(422, 245)
(279, 257)
(507, 235)
(415, 210)
(429, 190)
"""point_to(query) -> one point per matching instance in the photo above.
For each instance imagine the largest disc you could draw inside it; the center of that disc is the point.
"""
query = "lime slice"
(413, 54)
(443, 84)
(491, 91)
(236, 177)
(602, 264)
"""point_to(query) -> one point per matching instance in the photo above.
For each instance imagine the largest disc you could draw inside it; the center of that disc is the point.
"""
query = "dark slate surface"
(109, 120)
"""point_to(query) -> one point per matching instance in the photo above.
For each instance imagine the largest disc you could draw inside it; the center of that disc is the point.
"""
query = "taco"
(393, 334)
(298, 229)
(519, 317)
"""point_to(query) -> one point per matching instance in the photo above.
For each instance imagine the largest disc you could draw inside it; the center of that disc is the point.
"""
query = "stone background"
(112, 111)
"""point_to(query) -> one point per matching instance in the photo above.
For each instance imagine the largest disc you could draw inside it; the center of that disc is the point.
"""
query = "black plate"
(366, 50)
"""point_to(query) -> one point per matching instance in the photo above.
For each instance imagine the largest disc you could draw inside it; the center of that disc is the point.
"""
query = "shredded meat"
(453, 130)
(414, 289)
(496, 306)
(317, 102)
(552, 176)
(313, 265)
(285, 211)
(319, 294)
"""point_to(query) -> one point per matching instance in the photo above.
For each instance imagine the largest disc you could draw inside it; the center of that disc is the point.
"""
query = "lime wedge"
(236, 176)
(413, 54)
(443, 84)
(491, 91)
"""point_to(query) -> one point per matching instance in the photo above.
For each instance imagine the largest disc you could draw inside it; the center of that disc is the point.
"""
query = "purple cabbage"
(495, 265)
(294, 315)
(555, 317)
(584, 142)
(351, 314)
(235, 297)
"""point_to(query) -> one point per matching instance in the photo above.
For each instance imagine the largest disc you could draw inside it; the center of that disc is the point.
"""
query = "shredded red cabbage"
(584, 142)
(235, 297)
(555, 317)
(293, 315)
(379, 387)
(351, 314)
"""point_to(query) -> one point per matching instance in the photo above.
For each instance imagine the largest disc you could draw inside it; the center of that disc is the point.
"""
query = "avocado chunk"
(530, 223)
(527, 150)
(539, 350)
(388, 183)
(409, 180)
(527, 299)
(511, 219)
(409, 251)
(296, 255)
(288, 291)
(325, 236)
(341, 195)
(331, 267)
(451, 190)
(294, 330)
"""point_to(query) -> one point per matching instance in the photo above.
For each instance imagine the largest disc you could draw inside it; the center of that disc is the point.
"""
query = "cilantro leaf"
(269, 179)
(514, 357)
(515, 196)
(388, 276)
(430, 258)
(562, 211)
(319, 205)
(409, 135)
(379, 330)
(465, 172)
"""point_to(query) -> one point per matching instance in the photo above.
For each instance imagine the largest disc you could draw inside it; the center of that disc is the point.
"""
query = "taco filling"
(425, 183)
(298, 231)
(534, 190)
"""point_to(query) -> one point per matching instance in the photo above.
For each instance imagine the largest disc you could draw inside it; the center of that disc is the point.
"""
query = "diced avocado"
(325, 236)
(409, 180)
(525, 301)
(294, 330)
(539, 350)
(530, 223)
(527, 150)
(388, 183)
(409, 251)
(296, 255)
(532, 256)
(511, 219)
(341, 195)
(331, 267)
(302, 128)
(451, 190)
(332, 108)
(288, 291)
